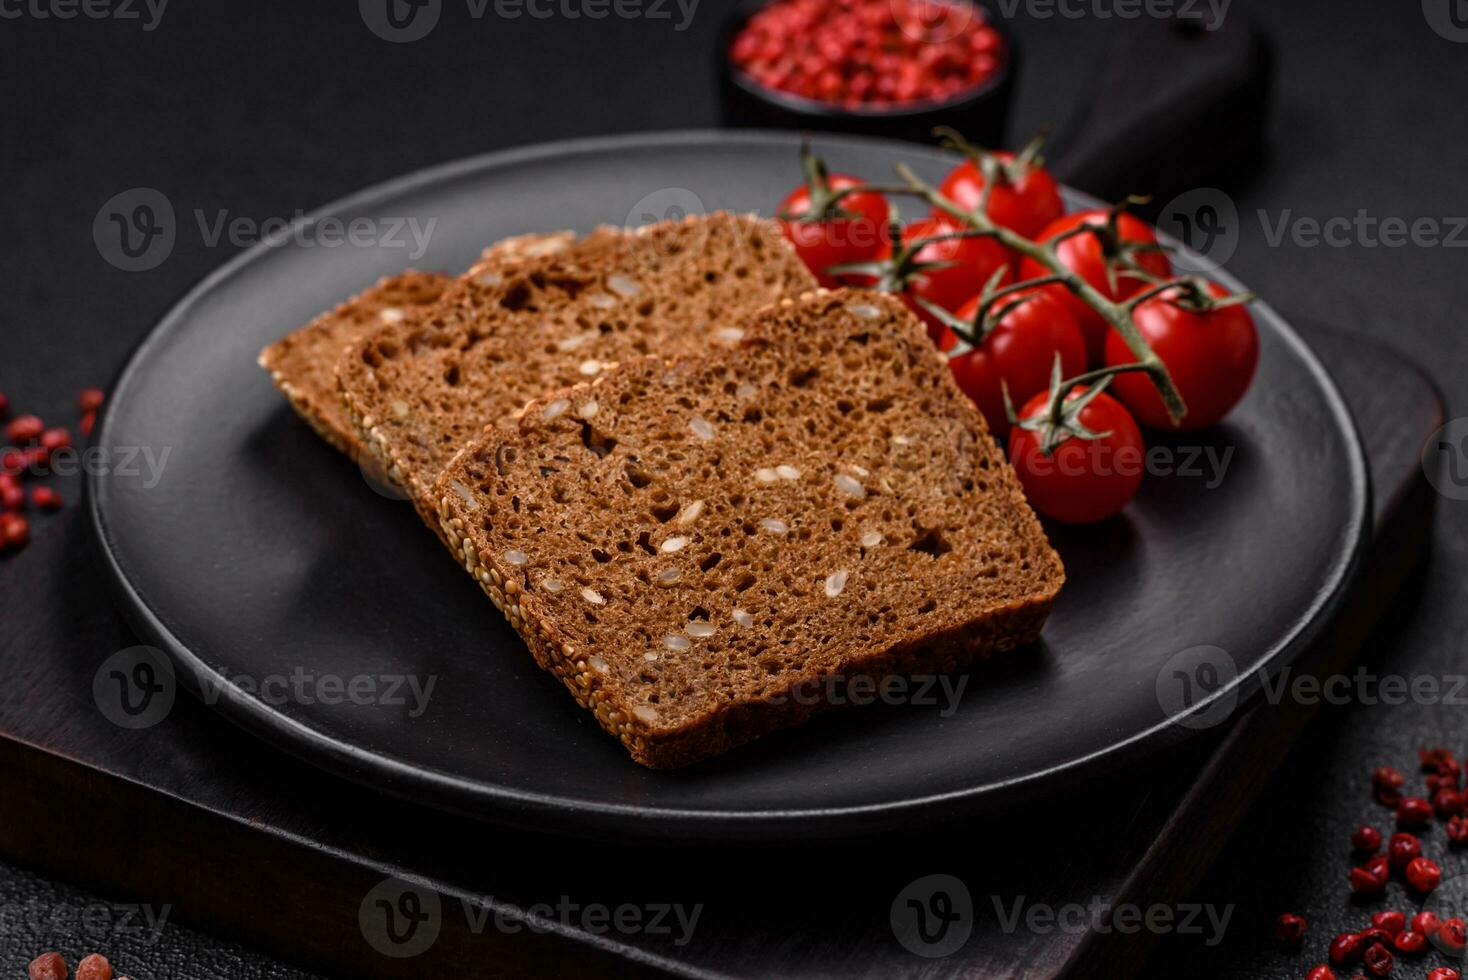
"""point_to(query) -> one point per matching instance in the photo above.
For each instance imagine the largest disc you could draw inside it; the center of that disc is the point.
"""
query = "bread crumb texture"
(303, 363)
(689, 543)
(511, 330)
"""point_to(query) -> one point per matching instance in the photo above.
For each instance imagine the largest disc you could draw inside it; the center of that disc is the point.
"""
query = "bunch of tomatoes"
(1017, 333)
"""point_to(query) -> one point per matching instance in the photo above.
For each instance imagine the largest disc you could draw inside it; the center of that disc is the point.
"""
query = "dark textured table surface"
(260, 109)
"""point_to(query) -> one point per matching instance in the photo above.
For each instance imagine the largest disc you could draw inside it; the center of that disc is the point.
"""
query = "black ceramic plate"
(261, 553)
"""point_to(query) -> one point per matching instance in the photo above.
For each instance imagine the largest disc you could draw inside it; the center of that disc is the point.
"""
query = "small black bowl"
(980, 113)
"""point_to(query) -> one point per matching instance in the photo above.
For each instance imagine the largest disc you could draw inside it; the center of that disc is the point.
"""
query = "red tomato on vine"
(1016, 352)
(1025, 198)
(1084, 465)
(935, 262)
(1116, 254)
(829, 223)
(1210, 348)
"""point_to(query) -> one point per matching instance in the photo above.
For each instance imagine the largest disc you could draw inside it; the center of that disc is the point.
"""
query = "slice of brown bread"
(303, 363)
(506, 332)
(699, 548)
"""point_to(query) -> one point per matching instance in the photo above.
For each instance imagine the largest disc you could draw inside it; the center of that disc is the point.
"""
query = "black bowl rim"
(800, 105)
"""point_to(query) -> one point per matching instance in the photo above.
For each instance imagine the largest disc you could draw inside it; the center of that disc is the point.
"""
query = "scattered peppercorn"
(1423, 874)
(1413, 811)
(1443, 973)
(1402, 848)
(15, 532)
(23, 428)
(1289, 929)
(28, 458)
(1409, 943)
(1345, 948)
(47, 966)
(1457, 830)
(1434, 760)
(94, 967)
(1387, 783)
(54, 439)
(1366, 840)
(1453, 935)
(1378, 959)
(1446, 802)
(1322, 972)
(1364, 881)
(1427, 923)
(45, 498)
(1392, 922)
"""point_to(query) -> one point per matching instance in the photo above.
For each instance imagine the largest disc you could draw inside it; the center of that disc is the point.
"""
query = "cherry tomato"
(1027, 204)
(1083, 255)
(1083, 480)
(1018, 352)
(1210, 355)
(836, 241)
(973, 260)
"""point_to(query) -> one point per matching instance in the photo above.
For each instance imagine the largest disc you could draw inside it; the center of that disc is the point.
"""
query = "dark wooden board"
(250, 843)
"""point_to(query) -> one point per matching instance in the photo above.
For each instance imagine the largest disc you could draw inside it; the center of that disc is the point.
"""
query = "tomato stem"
(892, 274)
(1018, 167)
(823, 202)
(1116, 315)
(984, 322)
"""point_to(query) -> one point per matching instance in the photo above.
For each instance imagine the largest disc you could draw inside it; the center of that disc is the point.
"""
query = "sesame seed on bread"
(302, 364)
(695, 545)
(506, 332)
